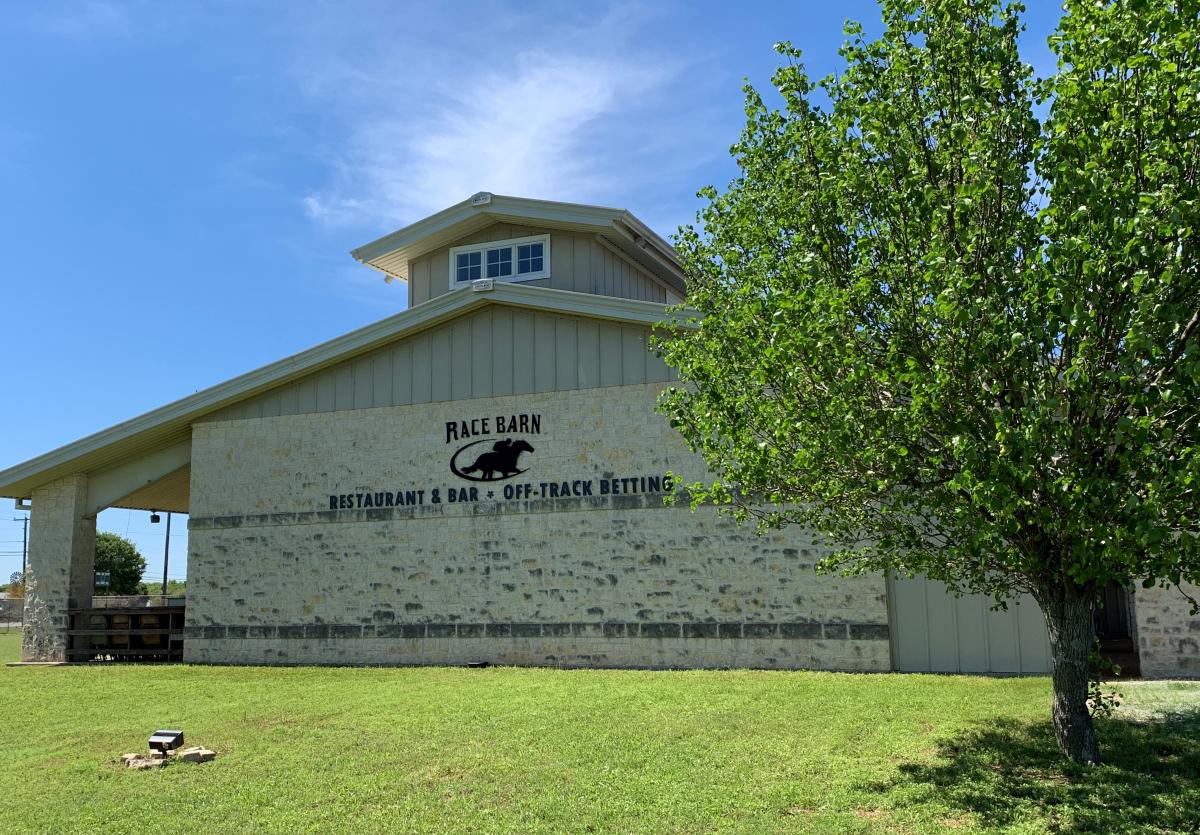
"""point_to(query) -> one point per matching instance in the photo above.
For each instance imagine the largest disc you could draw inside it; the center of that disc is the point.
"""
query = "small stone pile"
(158, 759)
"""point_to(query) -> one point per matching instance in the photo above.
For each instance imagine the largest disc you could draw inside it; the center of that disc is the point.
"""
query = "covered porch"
(63, 619)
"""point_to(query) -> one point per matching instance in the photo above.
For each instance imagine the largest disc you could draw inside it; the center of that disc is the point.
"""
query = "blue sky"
(182, 182)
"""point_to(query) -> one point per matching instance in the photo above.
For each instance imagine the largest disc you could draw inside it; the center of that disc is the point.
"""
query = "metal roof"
(391, 253)
(171, 424)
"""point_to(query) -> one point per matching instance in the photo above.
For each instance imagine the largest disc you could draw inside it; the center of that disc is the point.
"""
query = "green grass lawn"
(448, 750)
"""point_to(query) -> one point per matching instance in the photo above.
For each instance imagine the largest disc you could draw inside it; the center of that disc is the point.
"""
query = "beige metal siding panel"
(269, 405)
(325, 391)
(910, 627)
(943, 635)
(418, 281)
(402, 374)
(543, 352)
(523, 352)
(502, 351)
(971, 620)
(364, 383)
(933, 630)
(610, 354)
(494, 351)
(306, 396)
(422, 368)
(581, 265)
(461, 360)
(439, 273)
(289, 400)
(482, 347)
(656, 370)
(633, 356)
(381, 378)
(1003, 642)
(562, 271)
(566, 364)
(343, 387)
(588, 355)
(440, 367)
(1035, 641)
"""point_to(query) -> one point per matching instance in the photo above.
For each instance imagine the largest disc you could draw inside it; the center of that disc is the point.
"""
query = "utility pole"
(24, 520)
(166, 553)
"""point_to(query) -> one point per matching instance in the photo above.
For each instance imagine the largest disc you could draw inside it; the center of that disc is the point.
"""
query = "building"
(481, 478)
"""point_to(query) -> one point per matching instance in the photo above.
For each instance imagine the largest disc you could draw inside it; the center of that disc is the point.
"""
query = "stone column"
(62, 556)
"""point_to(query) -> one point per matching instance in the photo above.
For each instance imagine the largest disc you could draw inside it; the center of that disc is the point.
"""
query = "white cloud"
(525, 132)
(565, 119)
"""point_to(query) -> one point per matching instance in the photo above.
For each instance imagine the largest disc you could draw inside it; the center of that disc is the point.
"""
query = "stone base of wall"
(665, 653)
(1168, 635)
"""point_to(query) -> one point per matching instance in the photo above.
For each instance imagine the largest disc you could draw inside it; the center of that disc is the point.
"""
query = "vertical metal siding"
(502, 351)
(577, 263)
(934, 631)
(496, 351)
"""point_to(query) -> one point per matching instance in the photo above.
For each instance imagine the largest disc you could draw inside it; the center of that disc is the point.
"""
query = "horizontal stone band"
(636, 501)
(330, 631)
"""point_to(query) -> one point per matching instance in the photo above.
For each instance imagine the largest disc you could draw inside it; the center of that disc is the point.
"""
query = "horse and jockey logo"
(500, 463)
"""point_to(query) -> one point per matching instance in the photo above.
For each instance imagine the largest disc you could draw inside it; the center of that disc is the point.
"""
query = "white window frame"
(511, 244)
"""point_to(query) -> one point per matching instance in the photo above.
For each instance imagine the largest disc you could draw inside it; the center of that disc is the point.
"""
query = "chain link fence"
(11, 611)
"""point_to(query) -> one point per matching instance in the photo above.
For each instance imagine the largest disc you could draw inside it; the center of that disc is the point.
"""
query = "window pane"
(467, 266)
(529, 258)
(499, 262)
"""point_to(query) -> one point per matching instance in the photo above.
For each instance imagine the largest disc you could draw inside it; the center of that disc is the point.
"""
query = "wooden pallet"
(133, 634)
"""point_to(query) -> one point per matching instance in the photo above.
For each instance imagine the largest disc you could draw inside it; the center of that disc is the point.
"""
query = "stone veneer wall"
(62, 556)
(585, 579)
(1168, 635)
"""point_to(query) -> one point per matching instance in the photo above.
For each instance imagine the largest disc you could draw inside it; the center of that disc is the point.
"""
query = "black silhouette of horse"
(502, 459)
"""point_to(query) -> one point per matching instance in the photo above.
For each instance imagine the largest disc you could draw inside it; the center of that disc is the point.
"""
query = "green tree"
(955, 336)
(121, 559)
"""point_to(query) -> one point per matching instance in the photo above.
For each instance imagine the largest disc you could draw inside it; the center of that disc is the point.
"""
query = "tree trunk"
(1072, 635)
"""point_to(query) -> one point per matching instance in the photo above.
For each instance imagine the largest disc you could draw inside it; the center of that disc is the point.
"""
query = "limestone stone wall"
(1168, 635)
(348, 537)
(62, 553)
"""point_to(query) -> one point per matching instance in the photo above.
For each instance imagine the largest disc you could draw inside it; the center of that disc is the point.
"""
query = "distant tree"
(121, 559)
(954, 336)
(175, 588)
(16, 584)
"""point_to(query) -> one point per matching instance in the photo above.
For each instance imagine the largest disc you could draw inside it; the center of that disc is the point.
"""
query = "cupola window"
(518, 259)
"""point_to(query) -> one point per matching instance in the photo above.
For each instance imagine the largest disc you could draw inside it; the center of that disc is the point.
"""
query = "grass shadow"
(1011, 774)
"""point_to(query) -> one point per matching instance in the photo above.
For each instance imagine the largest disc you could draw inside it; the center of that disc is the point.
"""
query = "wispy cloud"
(578, 117)
(525, 131)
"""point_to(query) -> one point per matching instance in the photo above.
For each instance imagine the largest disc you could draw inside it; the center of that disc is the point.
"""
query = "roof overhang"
(170, 425)
(391, 253)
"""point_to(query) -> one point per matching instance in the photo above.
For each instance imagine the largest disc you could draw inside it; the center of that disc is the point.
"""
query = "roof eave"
(167, 423)
(461, 219)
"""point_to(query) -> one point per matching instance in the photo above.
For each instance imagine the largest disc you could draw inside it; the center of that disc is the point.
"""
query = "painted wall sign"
(495, 464)
(495, 452)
